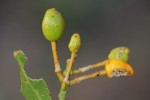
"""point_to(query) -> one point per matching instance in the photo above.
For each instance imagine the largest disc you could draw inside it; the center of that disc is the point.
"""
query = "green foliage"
(75, 43)
(32, 89)
(120, 53)
(53, 25)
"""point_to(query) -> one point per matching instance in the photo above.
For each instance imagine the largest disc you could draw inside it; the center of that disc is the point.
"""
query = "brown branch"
(87, 76)
(56, 62)
(89, 67)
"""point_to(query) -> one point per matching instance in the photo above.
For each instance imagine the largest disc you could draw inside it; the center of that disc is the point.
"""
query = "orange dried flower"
(118, 68)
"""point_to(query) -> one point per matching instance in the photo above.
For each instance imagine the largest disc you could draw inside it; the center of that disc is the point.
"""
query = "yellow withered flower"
(115, 67)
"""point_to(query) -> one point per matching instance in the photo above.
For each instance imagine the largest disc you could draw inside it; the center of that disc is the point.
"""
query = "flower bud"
(75, 43)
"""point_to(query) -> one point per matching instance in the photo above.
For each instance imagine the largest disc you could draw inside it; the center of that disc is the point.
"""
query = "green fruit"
(120, 53)
(75, 43)
(53, 25)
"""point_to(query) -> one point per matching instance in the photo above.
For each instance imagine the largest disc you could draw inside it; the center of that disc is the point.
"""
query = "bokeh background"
(103, 25)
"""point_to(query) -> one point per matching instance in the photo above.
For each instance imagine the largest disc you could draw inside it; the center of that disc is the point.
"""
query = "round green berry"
(53, 25)
(120, 53)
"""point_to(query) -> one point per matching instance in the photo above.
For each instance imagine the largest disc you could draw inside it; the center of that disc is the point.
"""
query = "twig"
(69, 69)
(87, 76)
(56, 62)
(89, 67)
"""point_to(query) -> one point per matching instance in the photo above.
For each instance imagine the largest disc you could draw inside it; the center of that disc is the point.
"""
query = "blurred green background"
(103, 25)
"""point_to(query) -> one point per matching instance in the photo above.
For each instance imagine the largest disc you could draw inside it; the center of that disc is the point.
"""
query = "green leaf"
(32, 89)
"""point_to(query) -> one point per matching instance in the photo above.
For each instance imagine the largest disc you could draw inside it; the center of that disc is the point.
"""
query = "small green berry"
(75, 43)
(53, 25)
(120, 53)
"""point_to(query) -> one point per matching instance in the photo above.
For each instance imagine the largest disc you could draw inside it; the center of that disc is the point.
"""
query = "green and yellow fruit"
(53, 25)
